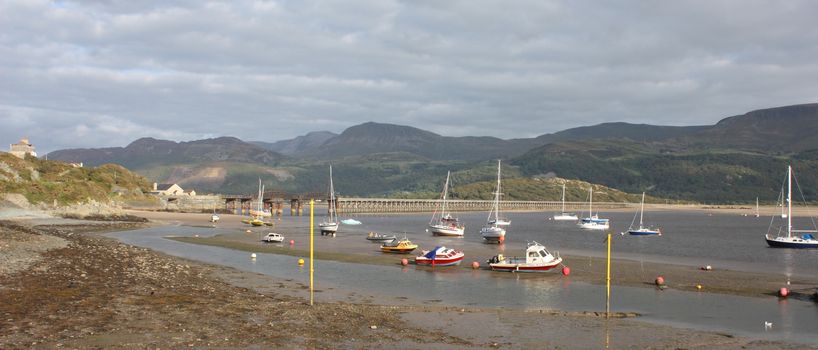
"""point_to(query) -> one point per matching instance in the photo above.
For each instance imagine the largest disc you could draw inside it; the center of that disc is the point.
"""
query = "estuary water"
(690, 238)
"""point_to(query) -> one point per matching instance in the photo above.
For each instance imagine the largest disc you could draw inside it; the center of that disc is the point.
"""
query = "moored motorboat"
(273, 237)
(440, 256)
(379, 237)
(537, 259)
(399, 246)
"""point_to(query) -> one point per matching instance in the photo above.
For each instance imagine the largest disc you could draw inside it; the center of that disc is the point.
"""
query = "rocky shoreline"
(93, 292)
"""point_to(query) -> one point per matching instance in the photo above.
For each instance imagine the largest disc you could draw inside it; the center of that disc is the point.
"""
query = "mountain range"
(737, 159)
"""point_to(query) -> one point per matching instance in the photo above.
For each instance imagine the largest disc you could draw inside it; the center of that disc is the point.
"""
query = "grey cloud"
(102, 73)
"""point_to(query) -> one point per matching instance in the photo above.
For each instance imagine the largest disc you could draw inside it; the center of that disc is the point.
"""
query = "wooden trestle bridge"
(276, 201)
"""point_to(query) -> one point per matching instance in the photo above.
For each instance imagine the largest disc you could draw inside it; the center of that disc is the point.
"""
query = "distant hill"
(301, 144)
(49, 181)
(777, 130)
(736, 159)
(149, 151)
(634, 132)
(372, 138)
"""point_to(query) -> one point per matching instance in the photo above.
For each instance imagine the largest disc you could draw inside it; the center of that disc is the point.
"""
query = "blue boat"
(804, 241)
(642, 230)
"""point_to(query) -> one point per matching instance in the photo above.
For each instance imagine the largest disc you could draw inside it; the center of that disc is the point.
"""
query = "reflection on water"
(794, 320)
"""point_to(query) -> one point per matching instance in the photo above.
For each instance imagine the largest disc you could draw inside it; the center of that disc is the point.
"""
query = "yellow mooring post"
(312, 228)
(608, 282)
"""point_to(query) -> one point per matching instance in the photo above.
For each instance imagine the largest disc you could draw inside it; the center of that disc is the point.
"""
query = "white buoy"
(253, 256)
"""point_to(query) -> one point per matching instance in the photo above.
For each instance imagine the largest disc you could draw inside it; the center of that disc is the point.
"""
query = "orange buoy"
(660, 281)
(404, 261)
(566, 270)
(699, 287)
(502, 238)
(783, 292)
(475, 265)
(292, 241)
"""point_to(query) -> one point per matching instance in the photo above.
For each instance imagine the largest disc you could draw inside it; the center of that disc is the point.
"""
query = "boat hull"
(493, 234)
(523, 267)
(446, 231)
(380, 239)
(594, 226)
(438, 262)
(643, 232)
(565, 217)
(791, 243)
(394, 250)
(328, 227)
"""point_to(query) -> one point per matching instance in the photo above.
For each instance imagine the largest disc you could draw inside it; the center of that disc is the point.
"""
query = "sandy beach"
(88, 291)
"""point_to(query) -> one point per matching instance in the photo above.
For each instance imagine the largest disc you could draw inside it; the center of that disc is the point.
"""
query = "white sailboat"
(757, 213)
(593, 221)
(445, 224)
(330, 225)
(806, 240)
(492, 231)
(563, 216)
(642, 230)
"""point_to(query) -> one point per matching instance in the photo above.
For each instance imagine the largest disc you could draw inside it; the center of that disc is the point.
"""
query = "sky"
(88, 74)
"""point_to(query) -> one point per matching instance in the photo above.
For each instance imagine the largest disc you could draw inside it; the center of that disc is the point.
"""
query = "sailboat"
(330, 225)
(642, 230)
(445, 224)
(258, 214)
(565, 216)
(593, 222)
(806, 240)
(492, 231)
(757, 213)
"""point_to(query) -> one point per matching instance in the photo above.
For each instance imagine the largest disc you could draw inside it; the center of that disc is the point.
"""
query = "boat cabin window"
(543, 253)
(532, 254)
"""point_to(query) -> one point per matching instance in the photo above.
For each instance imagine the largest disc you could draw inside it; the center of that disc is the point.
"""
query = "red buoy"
(475, 265)
(292, 242)
(566, 270)
(502, 238)
(660, 281)
(404, 261)
(783, 292)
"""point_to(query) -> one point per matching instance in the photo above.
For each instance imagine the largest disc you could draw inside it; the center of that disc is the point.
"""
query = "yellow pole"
(608, 281)
(312, 228)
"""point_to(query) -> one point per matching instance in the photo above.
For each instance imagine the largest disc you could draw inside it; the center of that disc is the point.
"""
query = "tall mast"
(591, 202)
(331, 206)
(642, 211)
(445, 192)
(497, 194)
(789, 201)
(563, 197)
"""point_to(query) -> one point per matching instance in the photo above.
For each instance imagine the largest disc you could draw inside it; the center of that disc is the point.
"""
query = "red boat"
(440, 256)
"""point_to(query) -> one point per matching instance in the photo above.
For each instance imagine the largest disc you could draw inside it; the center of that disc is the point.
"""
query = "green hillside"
(44, 181)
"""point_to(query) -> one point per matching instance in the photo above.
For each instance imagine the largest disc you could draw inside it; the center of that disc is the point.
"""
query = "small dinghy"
(379, 237)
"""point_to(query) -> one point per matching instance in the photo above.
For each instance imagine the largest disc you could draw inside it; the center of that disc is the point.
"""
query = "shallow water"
(689, 237)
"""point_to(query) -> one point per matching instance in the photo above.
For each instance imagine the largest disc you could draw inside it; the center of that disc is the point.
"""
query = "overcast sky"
(106, 72)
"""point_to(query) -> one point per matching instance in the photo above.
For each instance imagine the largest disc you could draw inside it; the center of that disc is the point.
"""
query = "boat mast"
(331, 204)
(445, 192)
(789, 201)
(563, 198)
(497, 195)
(591, 202)
(642, 211)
